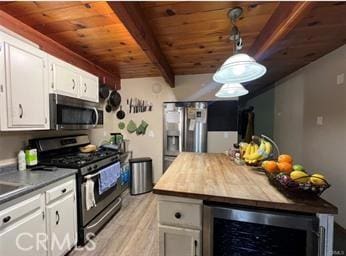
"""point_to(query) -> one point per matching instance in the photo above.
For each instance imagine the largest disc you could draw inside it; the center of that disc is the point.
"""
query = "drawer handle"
(57, 218)
(177, 215)
(63, 191)
(74, 84)
(85, 87)
(6, 219)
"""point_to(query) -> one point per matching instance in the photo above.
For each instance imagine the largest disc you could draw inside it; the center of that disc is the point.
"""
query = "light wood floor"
(131, 232)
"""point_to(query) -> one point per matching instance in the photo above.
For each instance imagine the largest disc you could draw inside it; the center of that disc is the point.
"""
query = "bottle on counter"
(21, 161)
(31, 156)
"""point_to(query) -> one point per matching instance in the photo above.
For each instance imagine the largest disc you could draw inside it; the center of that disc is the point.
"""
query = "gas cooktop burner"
(79, 159)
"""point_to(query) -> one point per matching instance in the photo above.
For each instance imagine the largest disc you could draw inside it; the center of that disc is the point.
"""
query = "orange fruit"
(285, 159)
(285, 167)
(270, 166)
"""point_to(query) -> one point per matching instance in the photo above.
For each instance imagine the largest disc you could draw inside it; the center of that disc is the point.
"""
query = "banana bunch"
(254, 153)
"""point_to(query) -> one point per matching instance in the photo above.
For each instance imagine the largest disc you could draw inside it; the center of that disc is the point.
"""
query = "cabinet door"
(26, 86)
(26, 237)
(179, 241)
(65, 79)
(89, 88)
(61, 225)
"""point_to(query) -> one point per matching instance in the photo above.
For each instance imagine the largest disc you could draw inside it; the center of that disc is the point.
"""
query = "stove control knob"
(95, 166)
(89, 168)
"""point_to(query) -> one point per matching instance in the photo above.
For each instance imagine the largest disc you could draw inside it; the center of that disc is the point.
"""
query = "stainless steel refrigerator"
(184, 129)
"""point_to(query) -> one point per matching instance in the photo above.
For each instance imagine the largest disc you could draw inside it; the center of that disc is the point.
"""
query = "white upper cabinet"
(23, 85)
(68, 80)
(64, 78)
(89, 87)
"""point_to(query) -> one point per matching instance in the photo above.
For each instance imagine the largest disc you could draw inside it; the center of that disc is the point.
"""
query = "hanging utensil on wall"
(120, 114)
(115, 99)
(108, 107)
(103, 90)
(130, 107)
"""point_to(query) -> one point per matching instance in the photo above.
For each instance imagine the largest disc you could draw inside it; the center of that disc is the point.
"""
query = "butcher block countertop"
(215, 178)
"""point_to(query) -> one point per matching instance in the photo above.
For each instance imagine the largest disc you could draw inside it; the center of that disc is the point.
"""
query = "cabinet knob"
(177, 215)
(6, 219)
(63, 191)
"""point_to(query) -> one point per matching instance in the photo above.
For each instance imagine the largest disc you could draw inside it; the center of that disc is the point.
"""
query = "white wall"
(150, 144)
(288, 121)
(264, 112)
(196, 87)
(219, 142)
(189, 87)
(299, 100)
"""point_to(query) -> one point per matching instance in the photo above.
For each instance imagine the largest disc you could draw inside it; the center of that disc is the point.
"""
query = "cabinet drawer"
(187, 215)
(59, 191)
(18, 211)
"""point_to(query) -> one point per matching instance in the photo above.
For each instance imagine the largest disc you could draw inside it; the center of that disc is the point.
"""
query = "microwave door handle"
(97, 117)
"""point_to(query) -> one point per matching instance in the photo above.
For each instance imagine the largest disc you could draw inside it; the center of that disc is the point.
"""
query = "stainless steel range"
(64, 152)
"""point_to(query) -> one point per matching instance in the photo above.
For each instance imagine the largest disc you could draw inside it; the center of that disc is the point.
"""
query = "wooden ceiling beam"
(284, 19)
(111, 78)
(130, 15)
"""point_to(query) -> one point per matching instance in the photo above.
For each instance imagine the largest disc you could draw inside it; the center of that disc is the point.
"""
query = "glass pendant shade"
(231, 90)
(239, 68)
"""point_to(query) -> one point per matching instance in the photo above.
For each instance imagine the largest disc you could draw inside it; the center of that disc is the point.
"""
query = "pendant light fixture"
(231, 90)
(240, 67)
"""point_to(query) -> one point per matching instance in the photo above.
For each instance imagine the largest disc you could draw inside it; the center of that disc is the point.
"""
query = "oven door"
(74, 114)
(102, 201)
(242, 231)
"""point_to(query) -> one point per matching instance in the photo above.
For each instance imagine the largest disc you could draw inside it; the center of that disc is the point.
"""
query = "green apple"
(298, 167)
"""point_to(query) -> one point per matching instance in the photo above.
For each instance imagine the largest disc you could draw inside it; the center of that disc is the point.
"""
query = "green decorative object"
(121, 125)
(142, 128)
(131, 127)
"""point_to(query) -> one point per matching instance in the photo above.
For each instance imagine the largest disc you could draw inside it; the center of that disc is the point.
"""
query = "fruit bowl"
(284, 183)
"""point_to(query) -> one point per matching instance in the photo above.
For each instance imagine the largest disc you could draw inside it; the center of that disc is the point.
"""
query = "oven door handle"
(89, 176)
(106, 214)
(97, 117)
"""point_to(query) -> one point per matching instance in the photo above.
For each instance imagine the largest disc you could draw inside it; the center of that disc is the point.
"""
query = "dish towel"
(109, 177)
(90, 196)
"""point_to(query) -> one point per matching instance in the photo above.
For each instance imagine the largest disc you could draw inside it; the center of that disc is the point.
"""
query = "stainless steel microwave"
(68, 113)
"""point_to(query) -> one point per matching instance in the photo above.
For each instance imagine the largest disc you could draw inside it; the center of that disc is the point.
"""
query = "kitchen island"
(197, 180)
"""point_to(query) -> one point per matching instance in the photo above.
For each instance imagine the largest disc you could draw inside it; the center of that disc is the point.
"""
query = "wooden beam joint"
(286, 16)
(131, 16)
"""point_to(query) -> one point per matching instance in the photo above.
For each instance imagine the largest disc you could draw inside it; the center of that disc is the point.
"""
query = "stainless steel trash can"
(141, 175)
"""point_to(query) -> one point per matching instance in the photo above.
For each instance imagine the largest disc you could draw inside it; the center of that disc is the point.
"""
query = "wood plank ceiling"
(89, 28)
(193, 36)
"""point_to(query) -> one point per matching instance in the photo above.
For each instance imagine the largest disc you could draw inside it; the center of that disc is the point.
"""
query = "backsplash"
(12, 142)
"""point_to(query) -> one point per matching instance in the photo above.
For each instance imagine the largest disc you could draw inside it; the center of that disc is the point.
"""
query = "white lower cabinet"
(174, 241)
(23, 229)
(37, 227)
(180, 226)
(61, 222)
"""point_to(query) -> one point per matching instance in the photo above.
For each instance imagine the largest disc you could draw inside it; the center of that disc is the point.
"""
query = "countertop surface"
(215, 178)
(31, 180)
